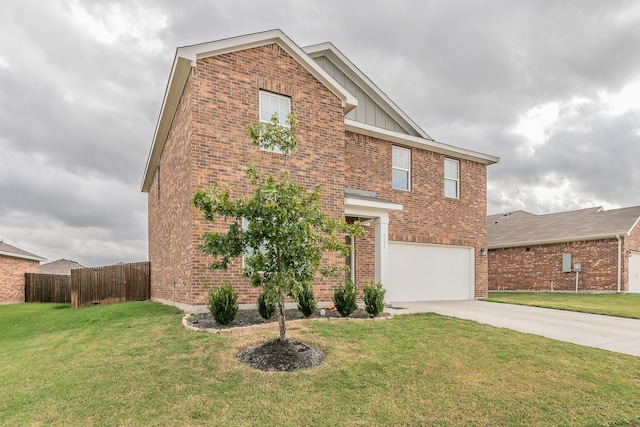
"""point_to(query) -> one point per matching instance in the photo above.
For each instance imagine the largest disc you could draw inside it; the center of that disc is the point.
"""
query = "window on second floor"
(452, 178)
(400, 168)
(270, 104)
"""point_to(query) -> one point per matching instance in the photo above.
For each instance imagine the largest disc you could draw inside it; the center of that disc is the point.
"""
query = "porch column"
(382, 247)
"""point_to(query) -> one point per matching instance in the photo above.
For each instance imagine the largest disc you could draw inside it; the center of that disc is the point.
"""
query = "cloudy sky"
(550, 87)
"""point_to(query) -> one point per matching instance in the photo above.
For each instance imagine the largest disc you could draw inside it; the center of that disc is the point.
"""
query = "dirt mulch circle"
(282, 356)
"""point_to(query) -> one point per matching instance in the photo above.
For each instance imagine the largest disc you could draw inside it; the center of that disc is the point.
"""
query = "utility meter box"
(577, 267)
(566, 263)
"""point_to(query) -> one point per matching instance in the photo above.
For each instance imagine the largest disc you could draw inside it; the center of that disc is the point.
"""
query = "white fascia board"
(555, 241)
(354, 73)
(250, 41)
(21, 256)
(177, 80)
(633, 226)
(354, 206)
(417, 142)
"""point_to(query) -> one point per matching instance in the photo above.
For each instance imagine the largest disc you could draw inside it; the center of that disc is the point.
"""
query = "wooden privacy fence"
(111, 284)
(47, 288)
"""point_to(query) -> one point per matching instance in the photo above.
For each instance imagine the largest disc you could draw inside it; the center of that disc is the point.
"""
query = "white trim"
(368, 208)
(417, 142)
(397, 148)
(22, 256)
(553, 241)
(250, 41)
(456, 179)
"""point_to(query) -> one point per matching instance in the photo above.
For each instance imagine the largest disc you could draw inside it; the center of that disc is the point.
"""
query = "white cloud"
(112, 22)
(628, 98)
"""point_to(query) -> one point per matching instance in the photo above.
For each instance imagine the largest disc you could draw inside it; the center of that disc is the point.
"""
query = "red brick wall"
(427, 216)
(209, 144)
(540, 268)
(169, 204)
(12, 272)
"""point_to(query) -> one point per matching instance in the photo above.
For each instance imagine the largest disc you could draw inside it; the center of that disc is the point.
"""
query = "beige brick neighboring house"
(374, 163)
(526, 251)
(14, 263)
(61, 266)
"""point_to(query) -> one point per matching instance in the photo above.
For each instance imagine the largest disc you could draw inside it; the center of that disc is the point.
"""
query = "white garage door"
(634, 272)
(420, 272)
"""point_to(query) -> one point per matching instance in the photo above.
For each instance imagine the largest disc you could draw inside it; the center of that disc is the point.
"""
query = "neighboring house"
(425, 201)
(539, 252)
(14, 263)
(61, 266)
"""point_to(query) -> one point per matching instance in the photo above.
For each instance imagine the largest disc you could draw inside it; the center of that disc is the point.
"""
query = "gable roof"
(14, 252)
(186, 57)
(521, 228)
(356, 82)
(61, 266)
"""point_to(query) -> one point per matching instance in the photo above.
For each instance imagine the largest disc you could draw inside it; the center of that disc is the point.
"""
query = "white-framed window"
(249, 252)
(271, 103)
(452, 178)
(400, 168)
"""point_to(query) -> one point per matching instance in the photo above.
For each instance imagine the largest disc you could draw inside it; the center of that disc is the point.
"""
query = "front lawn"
(134, 364)
(620, 305)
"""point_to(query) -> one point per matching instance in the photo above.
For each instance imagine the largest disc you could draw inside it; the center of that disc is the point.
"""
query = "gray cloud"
(78, 107)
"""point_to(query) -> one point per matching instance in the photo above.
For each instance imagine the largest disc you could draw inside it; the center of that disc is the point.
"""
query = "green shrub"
(374, 298)
(344, 298)
(223, 303)
(306, 301)
(266, 305)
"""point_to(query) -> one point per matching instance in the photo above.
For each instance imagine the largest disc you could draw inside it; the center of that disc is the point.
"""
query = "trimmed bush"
(344, 298)
(374, 298)
(306, 301)
(223, 303)
(266, 305)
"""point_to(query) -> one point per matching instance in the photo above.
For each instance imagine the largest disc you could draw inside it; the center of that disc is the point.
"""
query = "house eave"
(556, 241)
(22, 256)
(417, 142)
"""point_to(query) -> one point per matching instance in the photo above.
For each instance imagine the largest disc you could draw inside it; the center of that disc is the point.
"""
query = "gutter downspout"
(619, 261)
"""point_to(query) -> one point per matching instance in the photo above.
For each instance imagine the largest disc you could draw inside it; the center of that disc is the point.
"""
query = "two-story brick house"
(424, 201)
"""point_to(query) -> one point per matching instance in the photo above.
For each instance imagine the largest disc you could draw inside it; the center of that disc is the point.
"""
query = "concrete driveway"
(593, 330)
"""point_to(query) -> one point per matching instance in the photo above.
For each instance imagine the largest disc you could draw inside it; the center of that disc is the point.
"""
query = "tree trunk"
(281, 318)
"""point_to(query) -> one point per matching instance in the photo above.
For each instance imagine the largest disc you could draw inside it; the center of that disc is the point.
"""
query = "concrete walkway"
(593, 330)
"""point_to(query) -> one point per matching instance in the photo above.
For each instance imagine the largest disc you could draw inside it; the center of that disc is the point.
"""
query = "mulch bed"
(252, 317)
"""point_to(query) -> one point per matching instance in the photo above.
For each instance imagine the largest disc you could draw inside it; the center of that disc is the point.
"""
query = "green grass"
(134, 364)
(619, 305)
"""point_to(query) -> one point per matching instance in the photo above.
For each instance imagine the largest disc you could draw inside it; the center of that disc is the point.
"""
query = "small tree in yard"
(281, 229)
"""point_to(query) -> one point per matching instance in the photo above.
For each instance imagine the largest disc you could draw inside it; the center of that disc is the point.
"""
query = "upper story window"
(400, 168)
(452, 178)
(270, 104)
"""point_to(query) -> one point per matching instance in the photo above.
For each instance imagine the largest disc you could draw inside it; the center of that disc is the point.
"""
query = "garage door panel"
(419, 272)
(634, 272)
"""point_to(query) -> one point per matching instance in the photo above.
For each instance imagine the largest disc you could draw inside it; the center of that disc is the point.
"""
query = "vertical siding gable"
(367, 111)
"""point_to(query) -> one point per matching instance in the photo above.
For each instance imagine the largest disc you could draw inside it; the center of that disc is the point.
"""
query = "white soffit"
(417, 142)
